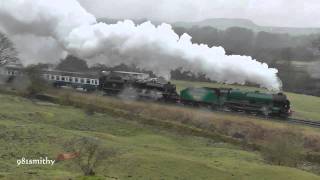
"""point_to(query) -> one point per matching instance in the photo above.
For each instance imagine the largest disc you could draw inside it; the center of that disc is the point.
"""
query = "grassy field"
(304, 106)
(32, 129)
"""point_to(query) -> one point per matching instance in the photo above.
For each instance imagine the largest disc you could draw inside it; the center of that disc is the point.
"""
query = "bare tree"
(7, 51)
(91, 153)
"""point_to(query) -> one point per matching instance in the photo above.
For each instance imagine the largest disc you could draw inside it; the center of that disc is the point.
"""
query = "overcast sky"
(296, 13)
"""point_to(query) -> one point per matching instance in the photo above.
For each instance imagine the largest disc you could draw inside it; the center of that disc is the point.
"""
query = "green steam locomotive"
(265, 104)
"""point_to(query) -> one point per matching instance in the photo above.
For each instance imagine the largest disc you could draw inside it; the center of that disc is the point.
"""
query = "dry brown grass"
(241, 128)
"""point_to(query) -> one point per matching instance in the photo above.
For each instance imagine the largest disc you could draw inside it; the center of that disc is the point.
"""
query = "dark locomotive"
(137, 86)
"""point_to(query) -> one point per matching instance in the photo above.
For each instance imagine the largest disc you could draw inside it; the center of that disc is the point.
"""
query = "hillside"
(224, 23)
(31, 129)
(146, 150)
(220, 23)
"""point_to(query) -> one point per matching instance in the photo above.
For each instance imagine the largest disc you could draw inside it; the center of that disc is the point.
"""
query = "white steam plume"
(158, 49)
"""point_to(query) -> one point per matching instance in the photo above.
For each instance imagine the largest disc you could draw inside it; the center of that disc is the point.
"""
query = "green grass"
(29, 129)
(304, 106)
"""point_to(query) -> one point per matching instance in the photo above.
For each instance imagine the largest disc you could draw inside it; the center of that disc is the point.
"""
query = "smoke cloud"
(156, 48)
(35, 49)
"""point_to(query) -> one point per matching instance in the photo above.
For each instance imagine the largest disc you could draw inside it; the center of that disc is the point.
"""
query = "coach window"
(88, 81)
(52, 77)
(76, 80)
(58, 78)
(81, 80)
(63, 78)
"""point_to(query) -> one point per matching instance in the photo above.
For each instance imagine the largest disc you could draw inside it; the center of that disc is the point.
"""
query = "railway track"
(305, 122)
(311, 123)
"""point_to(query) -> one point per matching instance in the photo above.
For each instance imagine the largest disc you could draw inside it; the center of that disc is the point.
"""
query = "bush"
(66, 99)
(91, 107)
(36, 84)
(312, 142)
(284, 148)
(91, 153)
